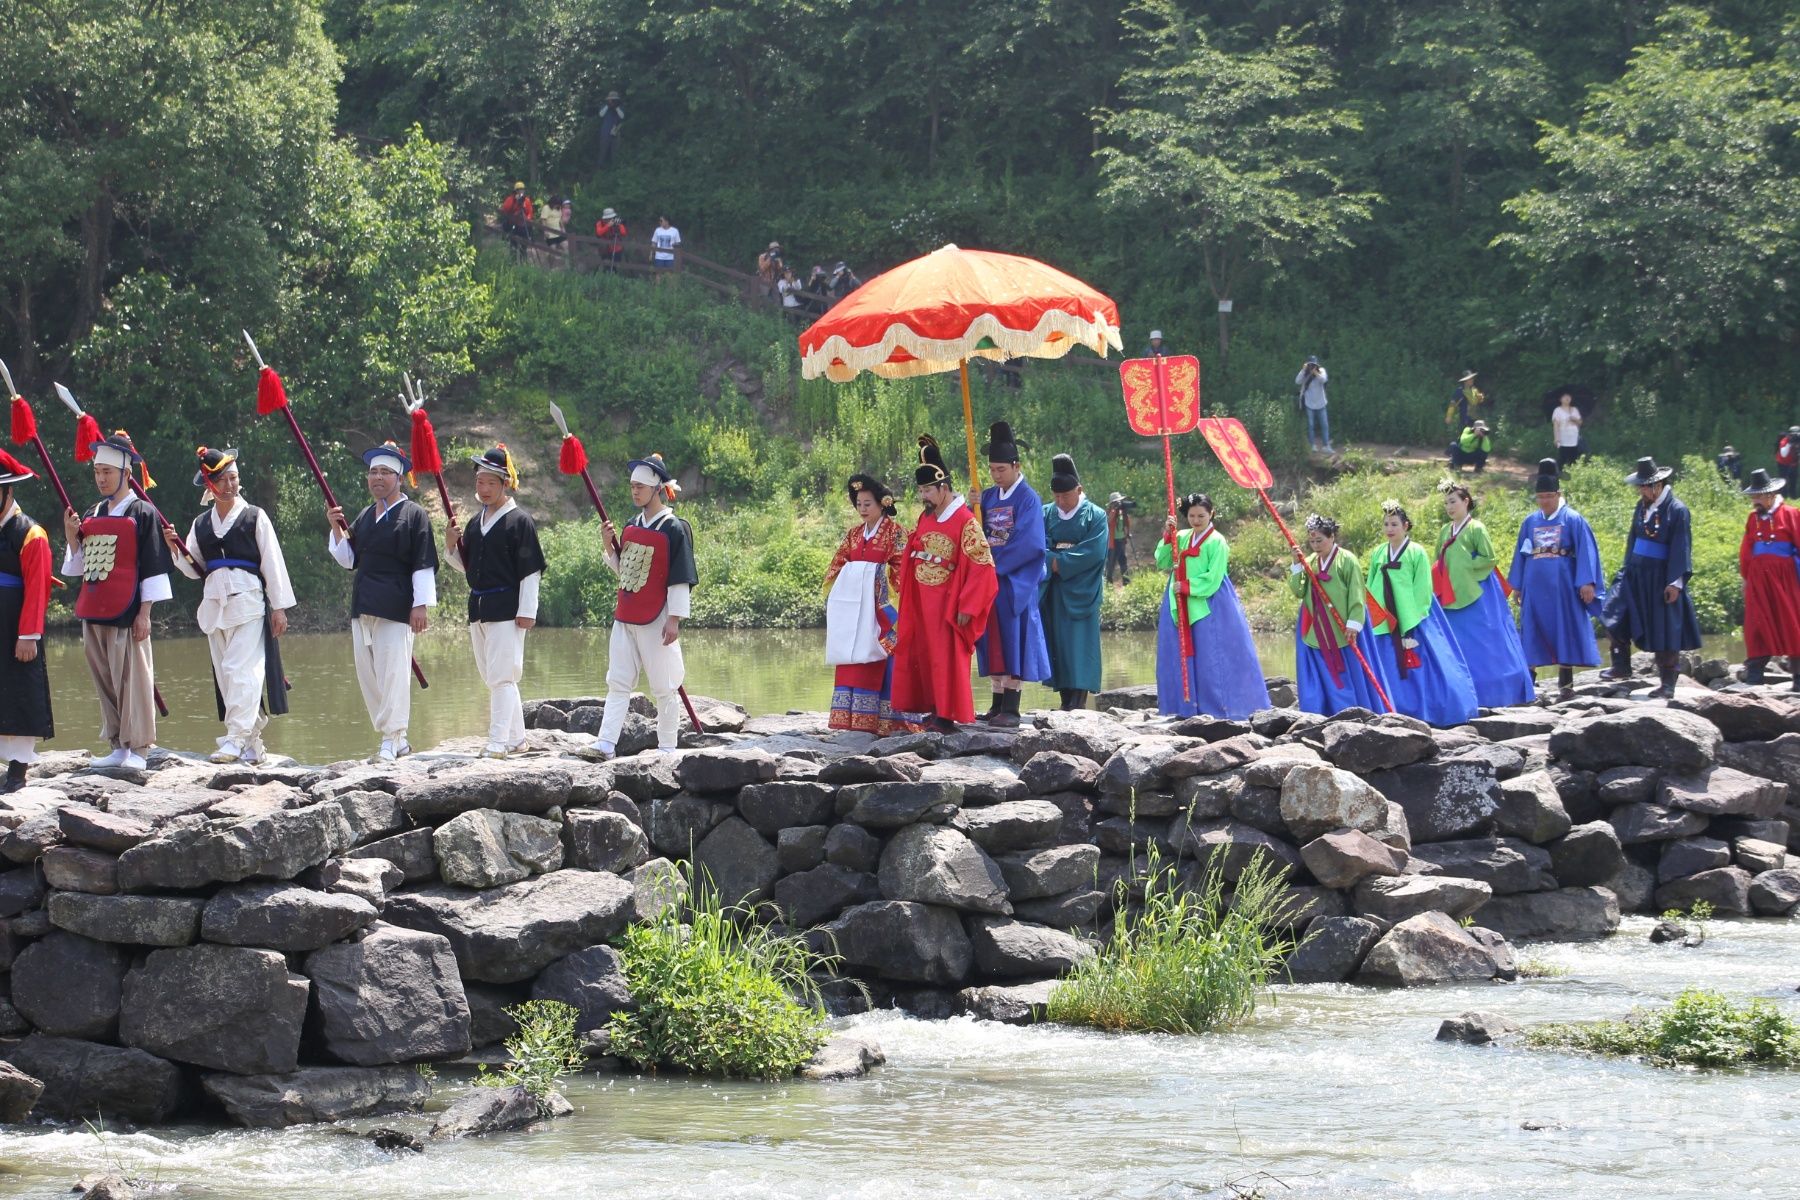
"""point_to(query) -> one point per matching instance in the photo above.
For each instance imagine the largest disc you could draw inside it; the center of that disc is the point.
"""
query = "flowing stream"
(1332, 1091)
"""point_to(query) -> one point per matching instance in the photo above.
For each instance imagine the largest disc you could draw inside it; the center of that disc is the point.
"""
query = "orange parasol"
(937, 312)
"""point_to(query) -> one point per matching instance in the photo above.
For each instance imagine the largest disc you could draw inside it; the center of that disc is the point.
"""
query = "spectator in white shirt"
(1565, 424)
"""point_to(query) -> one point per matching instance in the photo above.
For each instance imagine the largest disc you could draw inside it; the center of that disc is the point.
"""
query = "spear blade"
(254, 352)
(6, 376)
(556, 415)
(68, 398)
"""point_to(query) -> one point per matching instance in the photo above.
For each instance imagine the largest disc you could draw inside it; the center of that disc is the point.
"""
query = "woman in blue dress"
(1426, 675)
(1327, 672)
(1466, 580)
(1224, 678)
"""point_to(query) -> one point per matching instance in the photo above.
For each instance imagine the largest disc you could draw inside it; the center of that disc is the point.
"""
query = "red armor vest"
(109, 581)
(643, 575)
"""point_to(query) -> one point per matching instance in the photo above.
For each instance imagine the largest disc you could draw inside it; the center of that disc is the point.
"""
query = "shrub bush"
(716, 992)
(1700, 1029)
(544, 1049)
(1182, 961)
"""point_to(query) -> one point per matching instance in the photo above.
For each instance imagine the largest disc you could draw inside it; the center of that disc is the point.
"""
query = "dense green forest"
(1550, 192)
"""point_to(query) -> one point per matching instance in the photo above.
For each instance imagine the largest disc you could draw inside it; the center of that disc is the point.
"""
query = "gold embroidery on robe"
(975, 545)
(941, 548)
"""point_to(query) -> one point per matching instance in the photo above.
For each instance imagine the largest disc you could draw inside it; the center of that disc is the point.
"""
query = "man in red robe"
(24, 595)
(947, 586)
(1767, 561)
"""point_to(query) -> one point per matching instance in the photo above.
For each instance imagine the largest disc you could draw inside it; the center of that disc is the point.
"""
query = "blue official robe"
(1013, 642)
(1556, 557)
(1072, 594)
(1659, 552)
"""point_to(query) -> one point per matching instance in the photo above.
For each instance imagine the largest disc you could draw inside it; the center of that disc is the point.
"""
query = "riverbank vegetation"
(541, 1052)
(1189, 957)
(717, 993)
(1700, 1028)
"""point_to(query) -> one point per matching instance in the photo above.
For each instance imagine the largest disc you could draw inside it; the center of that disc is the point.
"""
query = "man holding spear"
(391, 549)
(24, 595)
(119, 556)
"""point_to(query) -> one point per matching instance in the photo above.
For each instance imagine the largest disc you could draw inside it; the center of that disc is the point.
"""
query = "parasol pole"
(572, 460)
(271, 395)
(1184, 631)
(969, 433)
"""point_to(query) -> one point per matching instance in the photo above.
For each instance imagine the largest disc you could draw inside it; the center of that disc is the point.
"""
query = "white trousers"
(238, 667)
(636, 648)
(383, 652)
(17, 748)
(500, 657)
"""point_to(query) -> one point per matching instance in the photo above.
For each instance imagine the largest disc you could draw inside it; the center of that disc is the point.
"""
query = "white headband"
(485, 468)
(112, 456)
(647, 477)
(390, 462)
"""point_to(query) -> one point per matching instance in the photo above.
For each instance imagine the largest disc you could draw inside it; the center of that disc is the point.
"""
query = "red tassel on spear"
(87, 432)
(25, 429)
(573, 460)
(425, 455)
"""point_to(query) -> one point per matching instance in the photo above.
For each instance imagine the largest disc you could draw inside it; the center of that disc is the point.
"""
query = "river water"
(765, 670)
(1330, 1090)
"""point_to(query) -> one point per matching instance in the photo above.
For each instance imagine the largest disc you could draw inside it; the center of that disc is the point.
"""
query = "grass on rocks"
(544, 1049)
(716, 992)
(1700, 1029)
(1186, 961)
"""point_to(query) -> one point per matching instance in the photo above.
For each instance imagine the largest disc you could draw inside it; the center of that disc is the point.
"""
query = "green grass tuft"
(1700, 1029)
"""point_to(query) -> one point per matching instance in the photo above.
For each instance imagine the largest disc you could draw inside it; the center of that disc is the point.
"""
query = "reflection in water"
(765, 670)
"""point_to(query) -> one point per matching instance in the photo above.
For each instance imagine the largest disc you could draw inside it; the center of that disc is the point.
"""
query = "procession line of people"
(1015, 585)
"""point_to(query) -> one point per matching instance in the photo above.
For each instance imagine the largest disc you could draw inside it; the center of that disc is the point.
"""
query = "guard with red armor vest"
(655, 566)
(243, 607)
(24, 595)
(500, 554)
(118, 554)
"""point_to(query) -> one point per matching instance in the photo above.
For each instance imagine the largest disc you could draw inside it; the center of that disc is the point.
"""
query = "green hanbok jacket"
(1408, 584)
(1205, 571)
(1345, 588)
(1470, 561)
(1069, 601)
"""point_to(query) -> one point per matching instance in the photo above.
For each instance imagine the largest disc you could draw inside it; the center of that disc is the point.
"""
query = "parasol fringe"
(1055, 334)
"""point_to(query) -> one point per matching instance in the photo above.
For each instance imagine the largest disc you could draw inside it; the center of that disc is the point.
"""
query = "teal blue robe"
(1074, 581)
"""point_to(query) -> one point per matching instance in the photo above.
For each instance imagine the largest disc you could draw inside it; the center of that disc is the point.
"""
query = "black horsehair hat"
(1063, 475)
(1647, 472)
(931, 469)
(1761, 484)
(498, 461)
(1002, 446)
(212, 462)
(1549, 477)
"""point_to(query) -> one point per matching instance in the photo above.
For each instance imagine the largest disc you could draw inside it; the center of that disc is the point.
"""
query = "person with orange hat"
(392, 551)
(24, 595)
(243, 606)
(501, 556)
(119, 556)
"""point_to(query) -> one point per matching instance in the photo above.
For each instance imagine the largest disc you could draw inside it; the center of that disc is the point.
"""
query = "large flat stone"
(390, 995)
(315, 1094)
(274, 845)
(511, 933)
(522, 789)
(130, 920)
(230, 1008)
(281, 916)
(87, 1079)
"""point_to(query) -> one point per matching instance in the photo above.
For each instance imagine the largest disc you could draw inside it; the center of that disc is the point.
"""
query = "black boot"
(994, 709)
(1754, 669)
(15, 777)
(1621, 662)
(1077, 700)
(1794, 670)
(1008, 716)
(1565, 683)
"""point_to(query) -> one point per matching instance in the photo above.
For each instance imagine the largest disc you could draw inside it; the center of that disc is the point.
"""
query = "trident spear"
(271, 396)
(425, 455)
(24, 429)
(83, 420)
(573, 461)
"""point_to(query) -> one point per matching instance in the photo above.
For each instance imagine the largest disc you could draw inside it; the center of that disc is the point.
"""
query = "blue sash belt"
(242, 564)
(1645, 548)
(495, 591)
(1785, 549)
(10, 580)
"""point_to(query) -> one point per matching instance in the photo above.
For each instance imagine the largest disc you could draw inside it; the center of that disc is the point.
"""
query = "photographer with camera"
(1118, 536)
(1311, 382)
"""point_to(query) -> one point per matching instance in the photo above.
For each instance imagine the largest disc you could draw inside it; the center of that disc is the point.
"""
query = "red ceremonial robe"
(948, 571)
(1771, 582)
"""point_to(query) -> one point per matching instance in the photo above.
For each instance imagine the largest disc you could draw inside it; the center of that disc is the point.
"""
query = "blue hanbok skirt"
(1439, 691)
(1225, 679)
(1312, 676)
(1555, 628)
(1490, 644)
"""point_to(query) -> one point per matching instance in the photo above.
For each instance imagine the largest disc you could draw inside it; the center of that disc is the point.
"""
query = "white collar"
(1767, 516)
(1324, 561)
(948, 509)
(662, 514)
(1660, 497)
(223, 521)
(12, 506)
(1006, 493)
(1457, 527)
(1195, 535)
(1067, 516)
(380, 512)
(869, 535)
(1393, 555)
(115, 507)
(488, 519)
(1551, 516)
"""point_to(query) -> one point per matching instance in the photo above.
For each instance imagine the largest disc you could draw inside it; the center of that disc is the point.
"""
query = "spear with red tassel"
(425, 455)
(25, 429)
(271, 396)
(572, 460)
